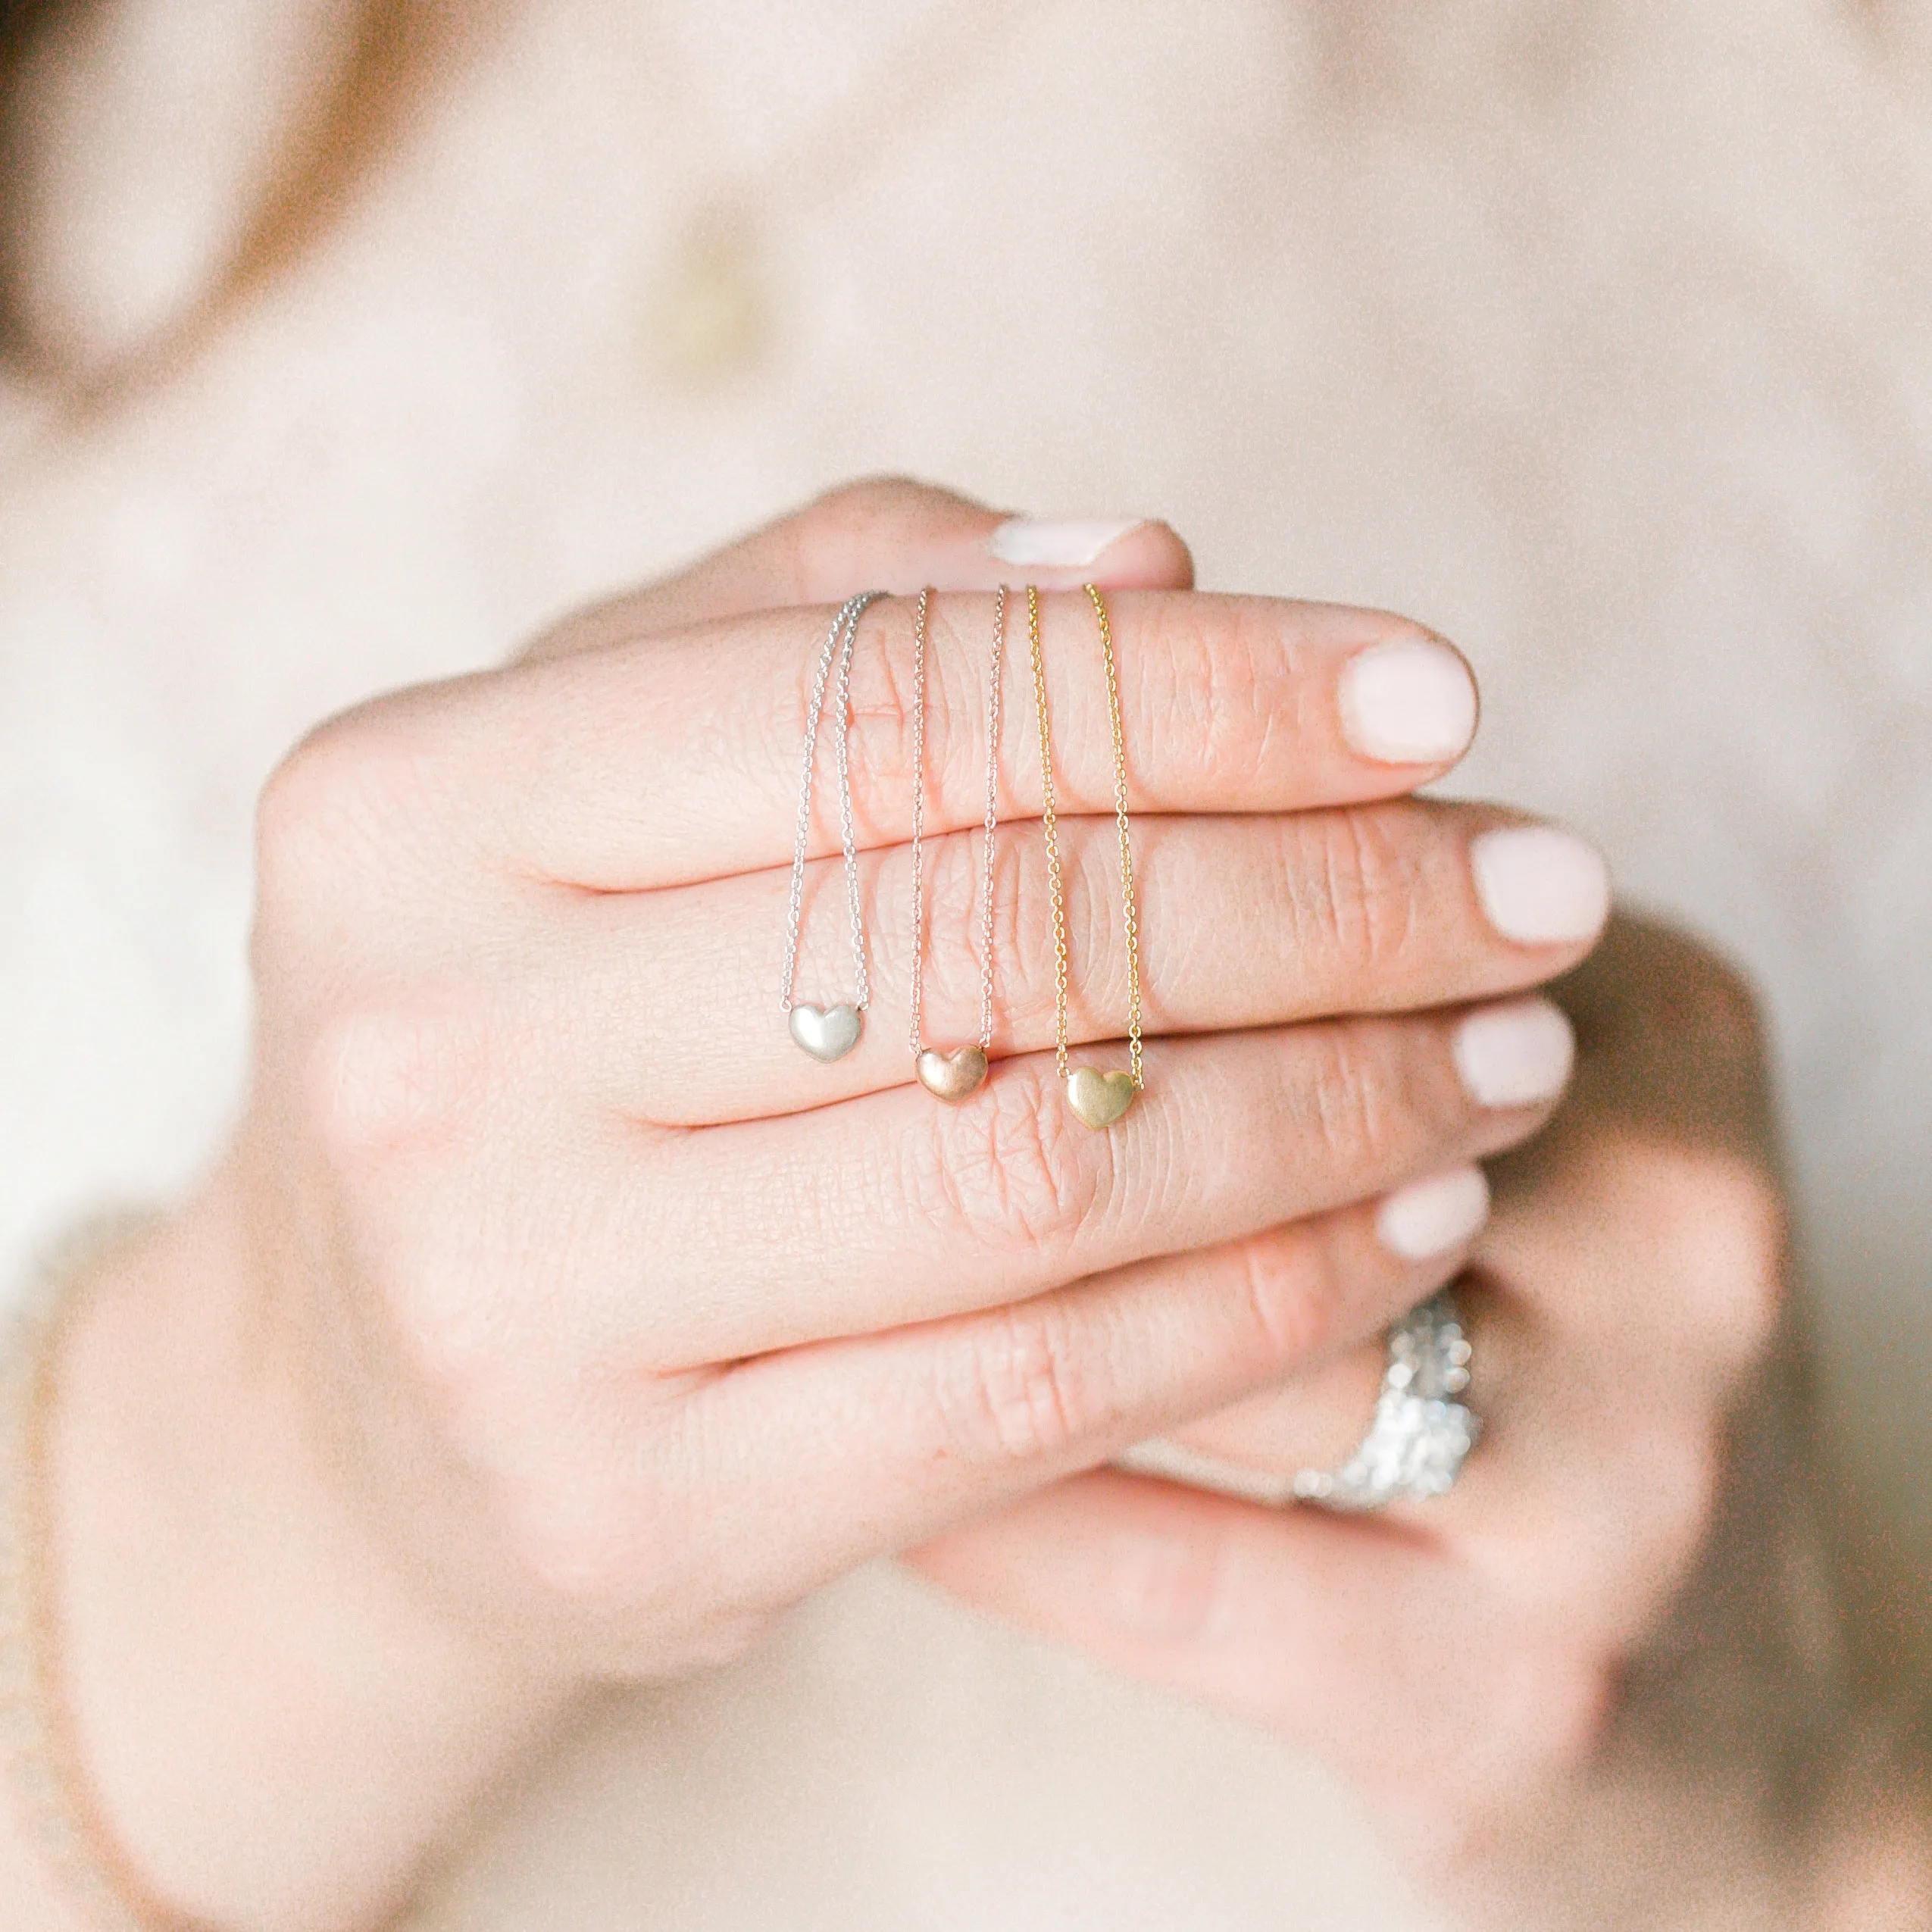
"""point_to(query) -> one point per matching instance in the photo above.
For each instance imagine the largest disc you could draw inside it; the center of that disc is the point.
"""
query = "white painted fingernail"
(1541, 886)
(1517, 1054)
(1066, 543)
(1411, 702)
(1428, 1218)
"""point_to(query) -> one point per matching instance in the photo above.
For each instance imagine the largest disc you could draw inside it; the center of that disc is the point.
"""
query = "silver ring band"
(1416, 1445)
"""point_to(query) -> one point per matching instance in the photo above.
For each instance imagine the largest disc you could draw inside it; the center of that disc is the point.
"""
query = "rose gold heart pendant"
(1099, 1099)
(951, 1076)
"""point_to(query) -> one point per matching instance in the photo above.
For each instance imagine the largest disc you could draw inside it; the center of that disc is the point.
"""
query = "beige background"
(1597, 333)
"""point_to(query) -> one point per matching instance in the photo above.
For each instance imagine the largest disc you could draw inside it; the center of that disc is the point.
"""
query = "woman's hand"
(1461, 1660)
(682, 1323)
(621, 1324)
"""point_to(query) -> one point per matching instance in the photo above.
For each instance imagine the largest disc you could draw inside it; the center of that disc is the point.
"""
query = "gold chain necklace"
(1098, 1099)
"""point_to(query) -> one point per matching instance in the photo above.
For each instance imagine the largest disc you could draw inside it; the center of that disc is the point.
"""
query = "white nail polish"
(1409, 701)
(1065, 543)
(1517, 1054)
(1541, 887)
(1428, 1218)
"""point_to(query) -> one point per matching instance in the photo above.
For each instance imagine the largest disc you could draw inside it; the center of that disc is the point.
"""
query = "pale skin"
(554, 1322)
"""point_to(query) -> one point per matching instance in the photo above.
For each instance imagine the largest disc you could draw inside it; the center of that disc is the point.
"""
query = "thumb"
(889, 533)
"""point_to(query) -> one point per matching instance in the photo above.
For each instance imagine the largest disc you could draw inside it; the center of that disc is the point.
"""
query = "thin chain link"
(1130, 912)
(837, 647)
(992, 818)
(919, 615)
(848, 839)
(919, 621)
(1049, 826)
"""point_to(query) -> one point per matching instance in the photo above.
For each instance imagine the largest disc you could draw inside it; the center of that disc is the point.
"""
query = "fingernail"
(1516, 1055)
(1066, 543)
(1428, 1218)
(1411, 701)
(1541, 886)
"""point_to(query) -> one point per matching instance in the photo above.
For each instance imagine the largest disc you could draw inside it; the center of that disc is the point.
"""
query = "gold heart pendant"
(951, 1076)
(1099, 1099)
(826, 1034)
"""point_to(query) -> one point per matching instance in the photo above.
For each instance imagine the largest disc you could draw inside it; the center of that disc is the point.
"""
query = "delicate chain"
(919, 615)
(992, 816)
(1049, 825)
(847, 839)
(838, 646)
(1130, 916)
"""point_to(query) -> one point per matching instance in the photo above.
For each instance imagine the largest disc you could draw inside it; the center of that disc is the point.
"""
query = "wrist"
(274, 1725)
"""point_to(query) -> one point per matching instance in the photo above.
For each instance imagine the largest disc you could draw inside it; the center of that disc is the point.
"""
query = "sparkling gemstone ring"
(1421, 1434)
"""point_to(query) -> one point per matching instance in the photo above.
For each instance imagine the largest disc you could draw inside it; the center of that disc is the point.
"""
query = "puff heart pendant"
(951, 1076)
(828, 1033)
(1099, 1099)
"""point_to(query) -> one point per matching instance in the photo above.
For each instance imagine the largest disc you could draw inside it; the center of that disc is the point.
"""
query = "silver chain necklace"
(827, 1033)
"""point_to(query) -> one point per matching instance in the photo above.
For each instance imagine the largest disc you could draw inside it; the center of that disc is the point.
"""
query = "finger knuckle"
(340, 810)
(1008, 1167)
(1226, 692)
(1355, 893)
(880, 742)
(1293, 1289)
(1023, 940)
(951, 892)
(1357, 1108)
(1018, 1389)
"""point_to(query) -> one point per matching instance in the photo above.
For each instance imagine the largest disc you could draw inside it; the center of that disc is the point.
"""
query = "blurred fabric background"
(348, 345)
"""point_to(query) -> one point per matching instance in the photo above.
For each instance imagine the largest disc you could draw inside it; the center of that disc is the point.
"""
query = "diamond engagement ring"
(1416, 1445)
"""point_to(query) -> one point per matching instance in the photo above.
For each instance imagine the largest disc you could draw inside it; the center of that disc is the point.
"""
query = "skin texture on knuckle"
(950, 889)
(880, 747)
(1353, 1101)
(1020, 1385)
(1009, 1169)
(1022, 935)
(1354, 895)
(1291, 1287)
(1226, 692)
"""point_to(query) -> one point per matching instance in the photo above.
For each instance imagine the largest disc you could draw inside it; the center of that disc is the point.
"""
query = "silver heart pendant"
(827, 1033)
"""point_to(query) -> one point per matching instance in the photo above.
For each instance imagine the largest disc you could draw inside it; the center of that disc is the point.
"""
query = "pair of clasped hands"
(659, 1325)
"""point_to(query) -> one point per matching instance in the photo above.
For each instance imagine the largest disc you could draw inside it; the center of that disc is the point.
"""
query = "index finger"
(664, 761)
